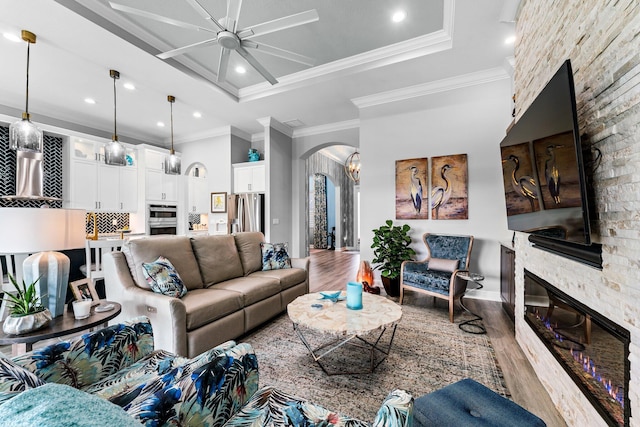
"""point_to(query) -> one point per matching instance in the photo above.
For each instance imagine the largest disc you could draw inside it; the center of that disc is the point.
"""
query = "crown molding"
(322, 129)
(428, 44)
(444, 85)
(275, 124)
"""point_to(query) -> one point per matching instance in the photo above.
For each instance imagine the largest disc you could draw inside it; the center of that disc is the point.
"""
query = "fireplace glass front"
(593, 350)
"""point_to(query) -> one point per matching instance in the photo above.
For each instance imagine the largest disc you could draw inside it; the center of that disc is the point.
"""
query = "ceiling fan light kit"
(23, 134)
(230, 38)
(172, 162)
(114, 152)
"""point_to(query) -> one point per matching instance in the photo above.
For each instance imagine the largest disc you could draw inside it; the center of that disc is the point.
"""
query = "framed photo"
(219, 202)
(84, 289)
(412, 195)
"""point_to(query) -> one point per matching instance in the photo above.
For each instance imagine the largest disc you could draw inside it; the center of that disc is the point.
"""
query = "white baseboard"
(483, 295)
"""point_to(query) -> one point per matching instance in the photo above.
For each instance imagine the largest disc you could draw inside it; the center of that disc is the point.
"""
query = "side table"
(472, 326)
(62, 325)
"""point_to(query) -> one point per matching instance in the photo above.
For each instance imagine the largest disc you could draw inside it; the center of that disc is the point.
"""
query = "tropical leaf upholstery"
(14, 379)
(93, 356)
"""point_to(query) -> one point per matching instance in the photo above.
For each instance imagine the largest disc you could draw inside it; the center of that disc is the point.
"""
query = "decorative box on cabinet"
(92, 185)
(249, 177)
(507, 280)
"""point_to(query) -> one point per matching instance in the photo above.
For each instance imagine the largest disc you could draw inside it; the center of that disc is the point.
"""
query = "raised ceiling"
(359, 52)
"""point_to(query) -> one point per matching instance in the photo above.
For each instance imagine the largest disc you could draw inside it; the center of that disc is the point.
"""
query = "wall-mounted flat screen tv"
(543, 172)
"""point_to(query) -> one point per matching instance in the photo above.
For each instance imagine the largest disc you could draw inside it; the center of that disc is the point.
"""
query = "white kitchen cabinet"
(159, 186)
(199, 200)
(94, 186)
(249, 177)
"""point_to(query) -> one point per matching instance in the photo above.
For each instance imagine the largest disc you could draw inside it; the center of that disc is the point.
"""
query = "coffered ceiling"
(358, 51)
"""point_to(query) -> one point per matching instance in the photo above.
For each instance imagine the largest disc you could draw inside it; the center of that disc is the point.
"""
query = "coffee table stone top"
(335, 318)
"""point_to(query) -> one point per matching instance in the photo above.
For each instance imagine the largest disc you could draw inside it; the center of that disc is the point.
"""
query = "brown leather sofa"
(228, 293)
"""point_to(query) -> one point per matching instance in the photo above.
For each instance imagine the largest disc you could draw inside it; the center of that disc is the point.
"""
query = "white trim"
(329, 127)
(444, 85)
(483, 295)
(275, 124)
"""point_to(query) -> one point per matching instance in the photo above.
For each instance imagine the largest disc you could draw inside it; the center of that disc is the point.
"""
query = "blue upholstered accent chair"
(436, 275)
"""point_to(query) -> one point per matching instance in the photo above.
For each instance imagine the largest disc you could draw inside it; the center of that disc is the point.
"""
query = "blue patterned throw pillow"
(275, 256)
(163, 278)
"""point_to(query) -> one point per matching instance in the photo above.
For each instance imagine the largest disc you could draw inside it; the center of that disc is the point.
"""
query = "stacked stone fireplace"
(600, 38)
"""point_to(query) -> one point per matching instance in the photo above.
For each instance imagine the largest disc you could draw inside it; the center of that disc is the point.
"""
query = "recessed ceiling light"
(197, 115)
(510, 40)
(160, 124)
(399, 16)
(90, 100)
(12, 37)
(129, 86)
(240, 69)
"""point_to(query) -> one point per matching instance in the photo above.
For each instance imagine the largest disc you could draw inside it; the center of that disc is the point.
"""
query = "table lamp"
(40, 232)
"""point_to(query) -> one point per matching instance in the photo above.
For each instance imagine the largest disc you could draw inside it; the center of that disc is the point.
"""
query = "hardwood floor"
(333, 269)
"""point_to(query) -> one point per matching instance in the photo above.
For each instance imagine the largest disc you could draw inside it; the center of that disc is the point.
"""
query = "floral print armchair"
(157, 388)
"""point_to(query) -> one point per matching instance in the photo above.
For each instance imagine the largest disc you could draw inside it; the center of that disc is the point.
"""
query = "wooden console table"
(62, 325)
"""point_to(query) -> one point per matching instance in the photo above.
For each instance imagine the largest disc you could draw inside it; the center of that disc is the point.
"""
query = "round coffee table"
(62, 325)
(364, 328)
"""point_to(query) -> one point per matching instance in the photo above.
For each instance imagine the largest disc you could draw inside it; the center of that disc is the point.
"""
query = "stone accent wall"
(602, 40)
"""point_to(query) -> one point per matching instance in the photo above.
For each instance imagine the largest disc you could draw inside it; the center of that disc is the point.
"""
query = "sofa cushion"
(163, 278)
(288, 277)
(441, 264)
(206, 305)
(248, 244)
(217, 257)
(14, 379)
(59, 405)
(93, 356)
(252, 289)
(176, 249)
(269, 406)
(275, 256)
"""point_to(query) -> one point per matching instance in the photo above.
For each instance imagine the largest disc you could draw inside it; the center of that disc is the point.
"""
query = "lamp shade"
(30, 230)
(25, 136)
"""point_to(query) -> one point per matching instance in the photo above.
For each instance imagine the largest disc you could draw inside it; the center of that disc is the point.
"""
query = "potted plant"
(26, 312)
(390, 248)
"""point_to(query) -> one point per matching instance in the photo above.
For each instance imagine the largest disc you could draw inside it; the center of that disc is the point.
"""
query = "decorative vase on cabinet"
(254, 156)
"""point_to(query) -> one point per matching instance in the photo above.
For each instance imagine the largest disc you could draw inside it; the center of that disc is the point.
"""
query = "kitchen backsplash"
(108, 222)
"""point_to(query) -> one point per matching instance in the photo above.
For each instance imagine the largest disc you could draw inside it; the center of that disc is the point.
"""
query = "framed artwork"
(449, 187)
(219, 202)
(84, 289)
(411, 189)
(520, 186)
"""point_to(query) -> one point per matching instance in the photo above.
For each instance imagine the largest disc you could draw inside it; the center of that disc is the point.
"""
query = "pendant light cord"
(26, 107)
(172, 151)
(115, 109)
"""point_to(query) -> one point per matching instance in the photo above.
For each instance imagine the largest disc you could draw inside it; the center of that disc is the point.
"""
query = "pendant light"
(172, 162)
(352, 167)
(24, 135)
(114, 152)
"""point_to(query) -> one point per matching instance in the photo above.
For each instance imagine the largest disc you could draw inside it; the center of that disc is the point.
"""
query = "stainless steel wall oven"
(162, 219)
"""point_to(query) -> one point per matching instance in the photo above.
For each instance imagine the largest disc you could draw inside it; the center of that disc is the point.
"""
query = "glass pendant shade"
(352, 167)
(23, 134)
(114, 152)
(172, 162)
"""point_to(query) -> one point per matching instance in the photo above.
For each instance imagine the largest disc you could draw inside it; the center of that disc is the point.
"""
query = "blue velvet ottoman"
(470, 404)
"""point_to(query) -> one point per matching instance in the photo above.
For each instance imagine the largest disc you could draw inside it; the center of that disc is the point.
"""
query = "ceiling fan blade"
(159, 18)
(206, 15)
(255, 64)
(281, 53)
(279, 24)
(223, 65)
(185, 49)
(233, 14)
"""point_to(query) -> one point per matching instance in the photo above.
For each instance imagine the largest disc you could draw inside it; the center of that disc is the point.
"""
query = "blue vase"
(254, 156)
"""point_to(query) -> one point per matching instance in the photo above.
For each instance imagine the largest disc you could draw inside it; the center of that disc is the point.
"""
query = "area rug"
(428, 353)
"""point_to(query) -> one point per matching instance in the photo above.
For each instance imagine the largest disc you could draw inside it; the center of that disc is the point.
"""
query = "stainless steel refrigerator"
(246, 212)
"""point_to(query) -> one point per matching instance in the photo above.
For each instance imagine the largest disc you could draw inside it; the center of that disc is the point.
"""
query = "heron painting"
(411, 189)
(449, 187)
(557, 167)
(520, 185)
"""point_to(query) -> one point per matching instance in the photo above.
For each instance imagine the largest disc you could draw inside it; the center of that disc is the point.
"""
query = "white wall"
(278, 157)
(468, 121)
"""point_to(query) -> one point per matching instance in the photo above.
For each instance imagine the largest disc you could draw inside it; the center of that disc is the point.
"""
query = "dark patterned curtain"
(320, 212)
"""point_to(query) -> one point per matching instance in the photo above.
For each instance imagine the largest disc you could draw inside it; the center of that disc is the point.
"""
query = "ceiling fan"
(230, 38)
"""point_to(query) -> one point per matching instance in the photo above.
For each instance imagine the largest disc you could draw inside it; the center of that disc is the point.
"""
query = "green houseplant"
(26, 312)
(390, 248)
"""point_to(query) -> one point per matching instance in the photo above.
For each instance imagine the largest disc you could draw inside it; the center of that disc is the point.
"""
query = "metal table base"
(373, 347)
